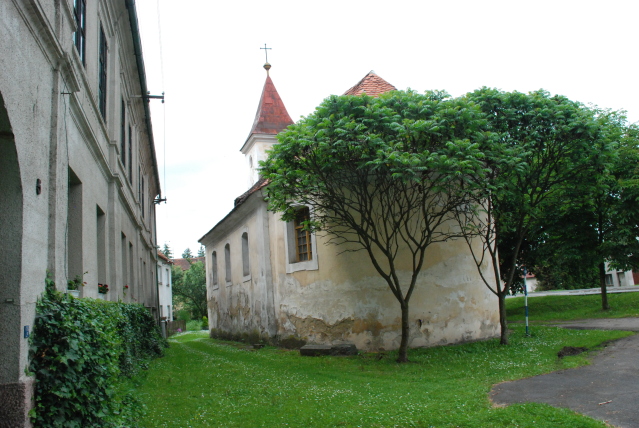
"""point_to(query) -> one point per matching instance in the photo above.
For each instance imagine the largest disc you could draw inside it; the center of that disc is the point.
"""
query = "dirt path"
(607, 389)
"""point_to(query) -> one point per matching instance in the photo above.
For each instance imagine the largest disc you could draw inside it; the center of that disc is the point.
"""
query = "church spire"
(271, 116)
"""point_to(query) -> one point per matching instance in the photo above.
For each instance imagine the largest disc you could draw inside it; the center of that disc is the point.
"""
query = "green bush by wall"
(80, 349)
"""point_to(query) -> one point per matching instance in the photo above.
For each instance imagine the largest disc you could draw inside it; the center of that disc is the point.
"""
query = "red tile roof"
(184, 263)
(163, 257)
(372, 85)
(271, 116)
(261, 183)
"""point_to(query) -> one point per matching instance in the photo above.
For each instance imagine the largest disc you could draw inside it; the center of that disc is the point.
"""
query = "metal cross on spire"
(266, 51)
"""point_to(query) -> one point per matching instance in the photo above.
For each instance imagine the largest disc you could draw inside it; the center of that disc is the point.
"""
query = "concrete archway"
(11, 211)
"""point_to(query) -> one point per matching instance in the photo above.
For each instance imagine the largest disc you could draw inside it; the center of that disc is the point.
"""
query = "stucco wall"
(346, 300)
(243, 304)
(50, 124)
(343, 299)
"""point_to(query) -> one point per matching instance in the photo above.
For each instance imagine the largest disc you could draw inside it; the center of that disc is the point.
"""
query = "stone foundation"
(15, 403)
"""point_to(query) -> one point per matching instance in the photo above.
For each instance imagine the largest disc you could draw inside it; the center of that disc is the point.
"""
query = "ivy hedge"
(81, 353)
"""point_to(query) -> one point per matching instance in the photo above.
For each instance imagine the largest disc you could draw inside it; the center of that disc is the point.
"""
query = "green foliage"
(596, 220)
(189, 289)
(380, 175)
(227, 386)
(205, 323)
(541, 146)
(183, 315)
(79, 348)
(200, 251)
(187, 254)
(166, 250)
(194, 325)
(566, 308)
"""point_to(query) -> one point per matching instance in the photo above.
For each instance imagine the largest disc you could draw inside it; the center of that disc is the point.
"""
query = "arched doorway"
(11, 335)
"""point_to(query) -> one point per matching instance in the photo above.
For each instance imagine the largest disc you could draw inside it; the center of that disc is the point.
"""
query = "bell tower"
(270, 119)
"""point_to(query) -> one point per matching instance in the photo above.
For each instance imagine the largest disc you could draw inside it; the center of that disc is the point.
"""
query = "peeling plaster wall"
(243, 304)
(343, 299)
(346, 300)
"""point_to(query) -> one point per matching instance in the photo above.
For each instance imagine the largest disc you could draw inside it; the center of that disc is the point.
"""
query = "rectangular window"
(303, 250)
(102, 70)
(123, 133)
(609, 282)
(79, 35)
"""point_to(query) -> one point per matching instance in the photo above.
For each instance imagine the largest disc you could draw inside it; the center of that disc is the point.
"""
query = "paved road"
(607, 389)
(580, 292)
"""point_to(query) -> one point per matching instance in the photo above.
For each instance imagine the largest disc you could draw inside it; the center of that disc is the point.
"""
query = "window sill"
(307, 265)
(246, 278)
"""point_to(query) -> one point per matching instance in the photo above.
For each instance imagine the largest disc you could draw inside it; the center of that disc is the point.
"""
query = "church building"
(272, 277)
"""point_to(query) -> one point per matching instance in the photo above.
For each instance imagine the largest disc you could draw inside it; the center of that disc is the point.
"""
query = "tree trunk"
(403, 347)
(503, 340)
(604, 290)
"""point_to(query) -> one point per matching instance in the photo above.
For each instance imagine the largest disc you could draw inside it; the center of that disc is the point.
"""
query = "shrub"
(205, 323)
(78, 350)
(194, 325)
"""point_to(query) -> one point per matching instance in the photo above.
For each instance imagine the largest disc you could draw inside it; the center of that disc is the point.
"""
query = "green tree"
(380, 175)
(166, 250)
(602, 223)
(187, 254)
(544, 144)
(189, 288)
(200, 251)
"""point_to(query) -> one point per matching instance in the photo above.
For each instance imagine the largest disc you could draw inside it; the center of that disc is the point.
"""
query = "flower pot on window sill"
(102, 296)
(74, 293)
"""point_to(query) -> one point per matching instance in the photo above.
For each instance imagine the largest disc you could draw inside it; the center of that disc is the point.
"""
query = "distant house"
(165, 287)
(78, 171)
(185, 264)
(619, 278)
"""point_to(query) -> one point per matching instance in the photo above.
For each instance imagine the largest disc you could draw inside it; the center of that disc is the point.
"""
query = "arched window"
(246, 271)
(214, 267)
(227, 262)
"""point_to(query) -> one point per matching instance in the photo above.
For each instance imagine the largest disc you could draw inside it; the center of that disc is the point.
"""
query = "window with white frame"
(301, 247)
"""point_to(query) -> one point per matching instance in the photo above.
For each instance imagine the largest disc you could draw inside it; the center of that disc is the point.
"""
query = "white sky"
(213, 75)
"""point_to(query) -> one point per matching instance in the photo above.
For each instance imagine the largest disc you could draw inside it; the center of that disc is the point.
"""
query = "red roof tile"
(372, 85)
(185, 264)
(261, 183)
(271, 116)
(163, 257)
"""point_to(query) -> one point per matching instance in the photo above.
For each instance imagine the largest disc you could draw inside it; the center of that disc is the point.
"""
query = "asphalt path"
(607, 389)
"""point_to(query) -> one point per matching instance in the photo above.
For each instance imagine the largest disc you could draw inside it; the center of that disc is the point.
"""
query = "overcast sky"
(210, 67)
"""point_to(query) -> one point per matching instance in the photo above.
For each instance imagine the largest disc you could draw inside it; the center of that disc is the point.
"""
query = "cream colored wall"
(346, 300)
(243, 305)
(50, 101)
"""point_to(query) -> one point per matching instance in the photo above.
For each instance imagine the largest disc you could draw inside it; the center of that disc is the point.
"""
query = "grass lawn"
(207, 383)
(554, 308)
